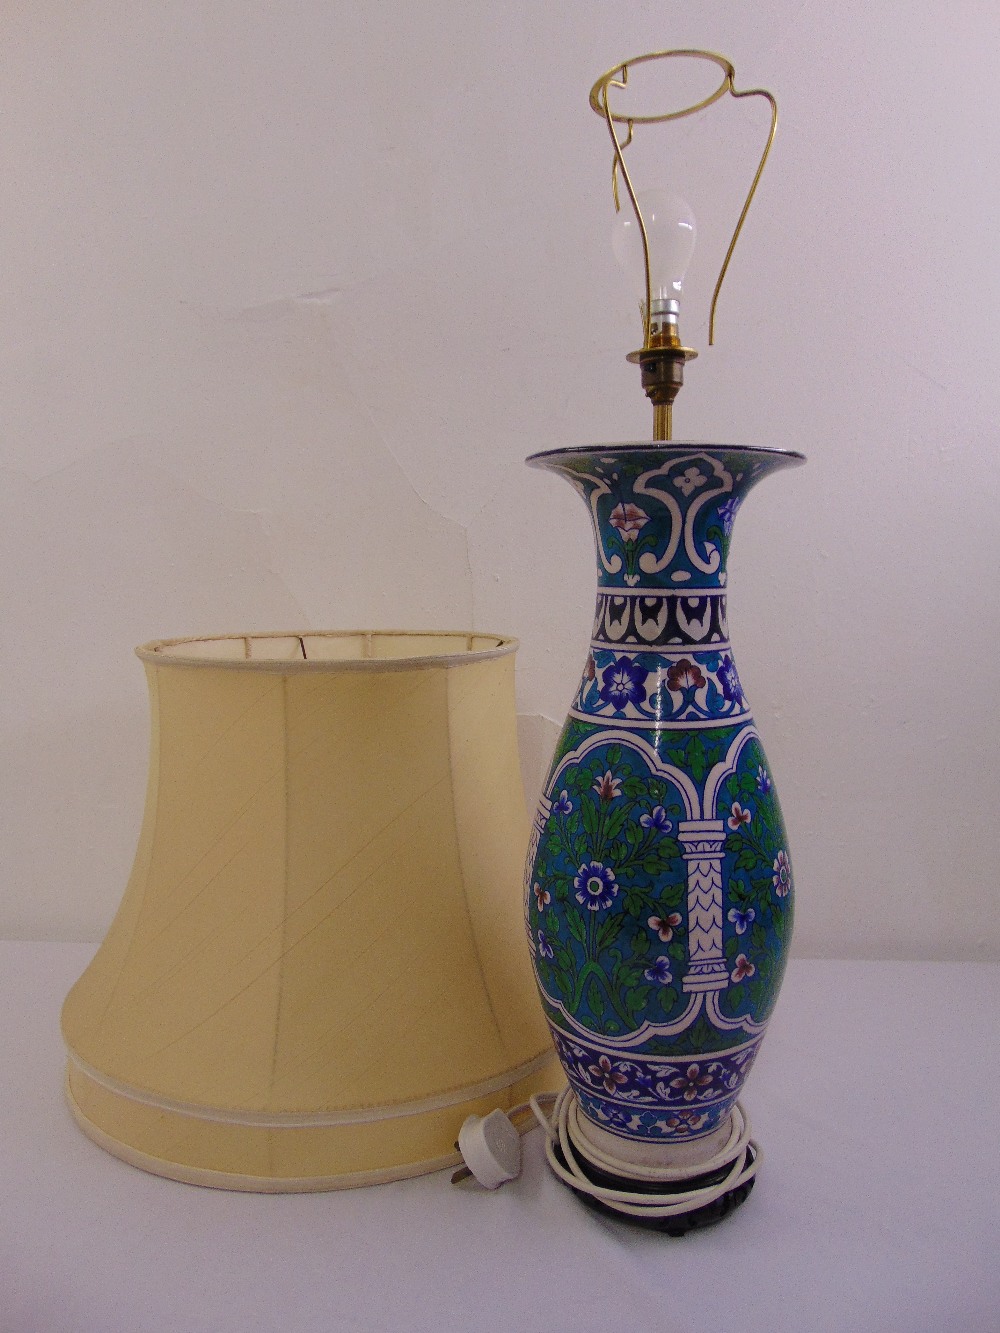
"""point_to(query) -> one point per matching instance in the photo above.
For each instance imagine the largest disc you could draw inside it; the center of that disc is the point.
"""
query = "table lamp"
(658, 880)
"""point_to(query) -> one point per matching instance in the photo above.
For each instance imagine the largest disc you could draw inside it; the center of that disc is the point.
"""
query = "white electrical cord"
(490, 1146)
(559, 1134)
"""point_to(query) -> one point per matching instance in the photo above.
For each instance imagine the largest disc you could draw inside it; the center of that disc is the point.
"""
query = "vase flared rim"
(291, 652)
(791, 456)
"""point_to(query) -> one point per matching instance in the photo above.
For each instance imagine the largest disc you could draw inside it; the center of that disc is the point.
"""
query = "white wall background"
(289, 291)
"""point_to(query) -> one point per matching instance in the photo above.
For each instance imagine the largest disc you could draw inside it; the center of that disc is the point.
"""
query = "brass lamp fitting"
(661, 358)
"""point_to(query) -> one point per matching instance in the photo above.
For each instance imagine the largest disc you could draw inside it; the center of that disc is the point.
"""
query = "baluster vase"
(658, 880)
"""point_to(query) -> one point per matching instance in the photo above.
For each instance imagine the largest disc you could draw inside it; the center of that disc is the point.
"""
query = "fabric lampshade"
(318, 969)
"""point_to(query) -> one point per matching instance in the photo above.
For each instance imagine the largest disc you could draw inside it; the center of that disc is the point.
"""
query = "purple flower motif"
(605, 1072)
(665, 925)
(544, 947)
(660, 972)
(782, 878)
(656, 819)
(730, 681)
(595, 886)
(691, 1083)
(564, 805)
(624, 683)
(727, 512)
(741, 920)
(743, 968)
(763, 781)
(629, 519)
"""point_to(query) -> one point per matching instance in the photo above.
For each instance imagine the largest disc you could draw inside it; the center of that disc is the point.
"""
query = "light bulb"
(670, 231)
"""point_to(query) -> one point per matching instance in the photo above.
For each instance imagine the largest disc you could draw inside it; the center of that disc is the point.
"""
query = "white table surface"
(875, 1099)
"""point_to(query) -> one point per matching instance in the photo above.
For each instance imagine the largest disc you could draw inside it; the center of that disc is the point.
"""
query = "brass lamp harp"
(661, 357)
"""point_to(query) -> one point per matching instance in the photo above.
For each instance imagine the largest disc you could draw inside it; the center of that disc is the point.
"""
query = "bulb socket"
(662, 371)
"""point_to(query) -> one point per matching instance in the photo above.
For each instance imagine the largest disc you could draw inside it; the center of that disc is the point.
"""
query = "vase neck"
(663, 515)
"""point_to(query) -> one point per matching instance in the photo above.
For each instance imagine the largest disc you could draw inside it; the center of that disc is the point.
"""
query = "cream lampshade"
(318, 968)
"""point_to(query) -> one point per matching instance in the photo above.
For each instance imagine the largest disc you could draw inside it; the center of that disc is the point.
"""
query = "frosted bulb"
(670, 232)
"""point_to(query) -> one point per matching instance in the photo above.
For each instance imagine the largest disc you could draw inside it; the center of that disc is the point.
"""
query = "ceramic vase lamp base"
(658, 881)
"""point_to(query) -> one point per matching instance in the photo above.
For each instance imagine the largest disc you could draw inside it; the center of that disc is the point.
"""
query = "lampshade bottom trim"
(291, 1159)
(228, 1180)
(360, 1115)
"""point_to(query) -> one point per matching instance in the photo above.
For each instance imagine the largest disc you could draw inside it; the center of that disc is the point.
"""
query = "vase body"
(658, 879)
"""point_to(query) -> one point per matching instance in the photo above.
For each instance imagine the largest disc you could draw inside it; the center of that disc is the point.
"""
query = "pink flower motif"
(665, 925)
(684, 675)
(743, 968)
(691, 1083)
(605, 1071)
(608, 787)
(590, 671)
(738, 818)
(542, 897)
(782, 877)
(687, 1122)
(629, 519)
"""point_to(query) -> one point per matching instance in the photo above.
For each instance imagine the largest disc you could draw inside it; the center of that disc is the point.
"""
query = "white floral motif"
(689, 480)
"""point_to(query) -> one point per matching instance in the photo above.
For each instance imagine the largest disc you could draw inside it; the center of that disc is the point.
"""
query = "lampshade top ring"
(329, 650)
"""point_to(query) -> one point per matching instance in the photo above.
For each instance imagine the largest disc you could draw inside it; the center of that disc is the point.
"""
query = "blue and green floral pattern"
(658, 880)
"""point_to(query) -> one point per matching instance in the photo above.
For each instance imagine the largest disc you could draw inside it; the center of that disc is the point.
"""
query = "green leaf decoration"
(634, 902)
(606, 932)
(697, 761)
(614, 823)
(577, 928)
(589, 818)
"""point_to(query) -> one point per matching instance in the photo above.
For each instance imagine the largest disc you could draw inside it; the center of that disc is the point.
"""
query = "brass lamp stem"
(663, 421)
